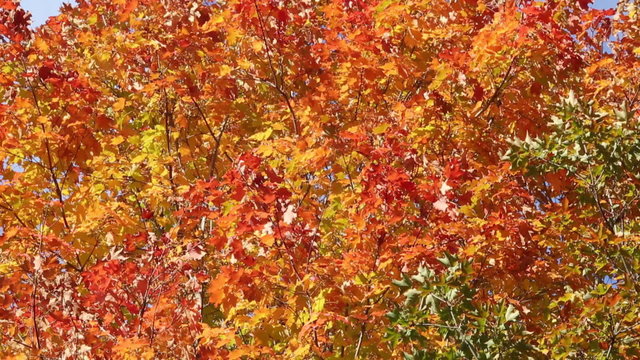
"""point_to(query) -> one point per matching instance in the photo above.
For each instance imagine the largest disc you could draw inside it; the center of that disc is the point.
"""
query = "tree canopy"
(320, 179)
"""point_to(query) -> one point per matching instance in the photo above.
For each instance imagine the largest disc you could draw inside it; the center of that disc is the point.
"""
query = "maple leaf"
(585, 3)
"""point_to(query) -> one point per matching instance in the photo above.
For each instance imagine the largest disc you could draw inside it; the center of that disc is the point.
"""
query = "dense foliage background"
(320, 179)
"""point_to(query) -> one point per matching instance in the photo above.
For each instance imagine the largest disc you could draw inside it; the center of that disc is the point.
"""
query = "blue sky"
(42, 9)
(604, 4)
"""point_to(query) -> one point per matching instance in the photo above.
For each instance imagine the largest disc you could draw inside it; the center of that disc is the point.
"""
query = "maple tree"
(320, 179)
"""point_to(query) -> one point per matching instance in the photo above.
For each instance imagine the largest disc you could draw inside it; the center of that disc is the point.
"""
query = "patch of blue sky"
(41, 10)
(605, 4)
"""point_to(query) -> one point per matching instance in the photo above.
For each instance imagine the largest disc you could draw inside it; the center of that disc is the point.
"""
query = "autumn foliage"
(320, 179)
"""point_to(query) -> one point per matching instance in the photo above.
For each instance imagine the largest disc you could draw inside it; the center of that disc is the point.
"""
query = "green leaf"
(412, 296)
(511, 314)
(403, 283)
(394, 315)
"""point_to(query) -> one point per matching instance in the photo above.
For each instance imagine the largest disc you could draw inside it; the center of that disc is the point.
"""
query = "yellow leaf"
(318, 304)
(18, 357)
(443, 71)
(390, 69)
(41, 44)
(211, 24)
(381, 128)
(600, 64)
(138, 159)
(7, 267)
(117, 140)
(232, 36)
(92, 20)
(225, 70)
(301, 352)
(261, 136)
(244, 64)
(267, 240)
(104, 60)
(119, 104)
(265, 150)
(257, 45)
